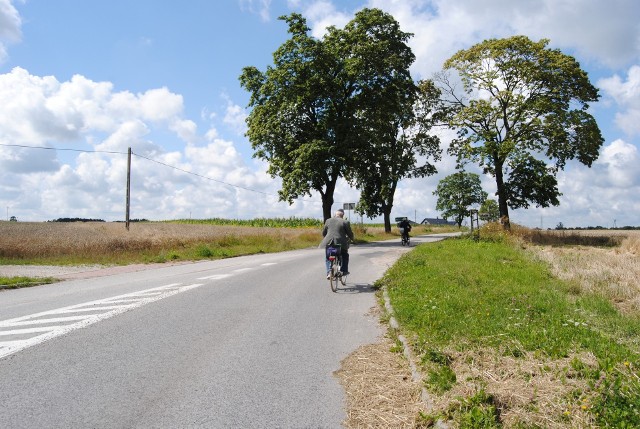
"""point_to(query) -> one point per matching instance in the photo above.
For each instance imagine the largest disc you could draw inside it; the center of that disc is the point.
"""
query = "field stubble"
(612, 272)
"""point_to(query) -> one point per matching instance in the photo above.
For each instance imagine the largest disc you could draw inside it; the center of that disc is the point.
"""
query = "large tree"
(457, 193)
(299, 122)
(394, 114)
(522, 115)
(308, 109)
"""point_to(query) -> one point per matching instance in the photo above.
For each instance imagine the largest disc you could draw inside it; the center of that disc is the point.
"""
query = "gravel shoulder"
(75, 272)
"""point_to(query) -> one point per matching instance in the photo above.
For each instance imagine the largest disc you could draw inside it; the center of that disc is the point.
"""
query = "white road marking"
(78, 322)
(45, 321)
(215, 277)
(103, 309)
(26, 331)
(269, 263)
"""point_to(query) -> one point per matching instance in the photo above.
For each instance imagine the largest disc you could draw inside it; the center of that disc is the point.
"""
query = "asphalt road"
(236, 343)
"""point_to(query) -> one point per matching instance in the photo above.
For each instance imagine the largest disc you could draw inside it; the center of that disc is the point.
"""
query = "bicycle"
(405, 236)
(334, 255)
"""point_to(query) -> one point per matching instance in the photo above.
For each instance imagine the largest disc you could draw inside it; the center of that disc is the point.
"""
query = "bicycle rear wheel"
(335, 278)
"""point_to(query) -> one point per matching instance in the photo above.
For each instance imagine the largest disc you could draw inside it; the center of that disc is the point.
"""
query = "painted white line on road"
(269, 263)
(243, 270)
(27, 331)
(10, 347)
(215, 277)
(45, 321)
(80, 310)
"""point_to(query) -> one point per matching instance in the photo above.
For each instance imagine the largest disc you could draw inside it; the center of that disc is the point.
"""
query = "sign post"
(349, 207)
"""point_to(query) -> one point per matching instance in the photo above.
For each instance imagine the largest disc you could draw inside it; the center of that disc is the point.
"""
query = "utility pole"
(128, 188)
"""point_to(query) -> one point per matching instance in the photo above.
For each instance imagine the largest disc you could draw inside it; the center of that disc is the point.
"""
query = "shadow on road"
(356, 288)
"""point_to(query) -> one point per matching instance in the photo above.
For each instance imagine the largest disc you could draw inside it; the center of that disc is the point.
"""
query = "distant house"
(436, 221)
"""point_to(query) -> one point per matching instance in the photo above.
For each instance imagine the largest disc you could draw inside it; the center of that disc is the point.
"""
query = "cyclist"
(406, 228)
(337, 230)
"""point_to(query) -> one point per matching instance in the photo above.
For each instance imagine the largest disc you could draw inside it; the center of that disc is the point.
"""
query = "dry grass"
(527, 391)
(379, 389)
(610, 272)
(100, 241)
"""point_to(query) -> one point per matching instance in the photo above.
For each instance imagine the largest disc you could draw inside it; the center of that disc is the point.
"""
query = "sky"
(82, 81)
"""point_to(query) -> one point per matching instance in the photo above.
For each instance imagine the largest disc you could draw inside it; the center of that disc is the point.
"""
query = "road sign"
(349, 206)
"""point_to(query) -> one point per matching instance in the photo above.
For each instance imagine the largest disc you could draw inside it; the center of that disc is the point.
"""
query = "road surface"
(243, 342)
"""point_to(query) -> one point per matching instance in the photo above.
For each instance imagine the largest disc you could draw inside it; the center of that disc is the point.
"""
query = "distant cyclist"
(405, 226)
(337, 230)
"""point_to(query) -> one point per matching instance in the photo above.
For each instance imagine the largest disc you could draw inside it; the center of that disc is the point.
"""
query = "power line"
(157, 162)
(201, 176)
(63, 149)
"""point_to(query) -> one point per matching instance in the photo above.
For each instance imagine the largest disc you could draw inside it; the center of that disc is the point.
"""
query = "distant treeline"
(292, 222)
(75, 219)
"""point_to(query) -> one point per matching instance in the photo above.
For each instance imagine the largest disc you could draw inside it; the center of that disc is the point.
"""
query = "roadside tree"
(395, 115)
(457, 194)
(314, 110)
(522, 115)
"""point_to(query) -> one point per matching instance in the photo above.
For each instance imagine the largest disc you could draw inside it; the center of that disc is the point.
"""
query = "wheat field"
(99, 240)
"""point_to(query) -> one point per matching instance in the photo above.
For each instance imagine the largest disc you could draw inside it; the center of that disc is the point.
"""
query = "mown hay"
(379, 389)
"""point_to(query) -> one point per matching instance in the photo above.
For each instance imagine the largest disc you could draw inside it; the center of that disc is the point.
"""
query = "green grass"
(20, 282)
(464, 295)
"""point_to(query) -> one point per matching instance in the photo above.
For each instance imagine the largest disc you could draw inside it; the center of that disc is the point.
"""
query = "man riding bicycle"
(405, 227)
(337, 230)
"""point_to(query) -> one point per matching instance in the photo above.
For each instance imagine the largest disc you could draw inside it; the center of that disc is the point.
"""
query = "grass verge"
(19, 282)
(504, 343)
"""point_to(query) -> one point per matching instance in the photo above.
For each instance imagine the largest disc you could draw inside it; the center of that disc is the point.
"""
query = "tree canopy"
(396, 116)
(333, 108)
(457, 193)
(522, 114)
(298, 118)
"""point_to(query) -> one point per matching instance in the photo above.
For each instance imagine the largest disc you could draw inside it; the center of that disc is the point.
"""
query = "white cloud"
(322, 14)
(38, 111)
(594, 196)
(10, 27)
(621, 160)
(235, 116)
(626, 95)
(258, 7)
(605, 32)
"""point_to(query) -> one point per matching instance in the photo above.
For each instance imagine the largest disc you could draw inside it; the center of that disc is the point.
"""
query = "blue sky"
(162, 77)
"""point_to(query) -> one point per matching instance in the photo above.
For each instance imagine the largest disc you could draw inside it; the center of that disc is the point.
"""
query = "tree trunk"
(388, 205)
(327, 198)
(502, 197)
(386, 211)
